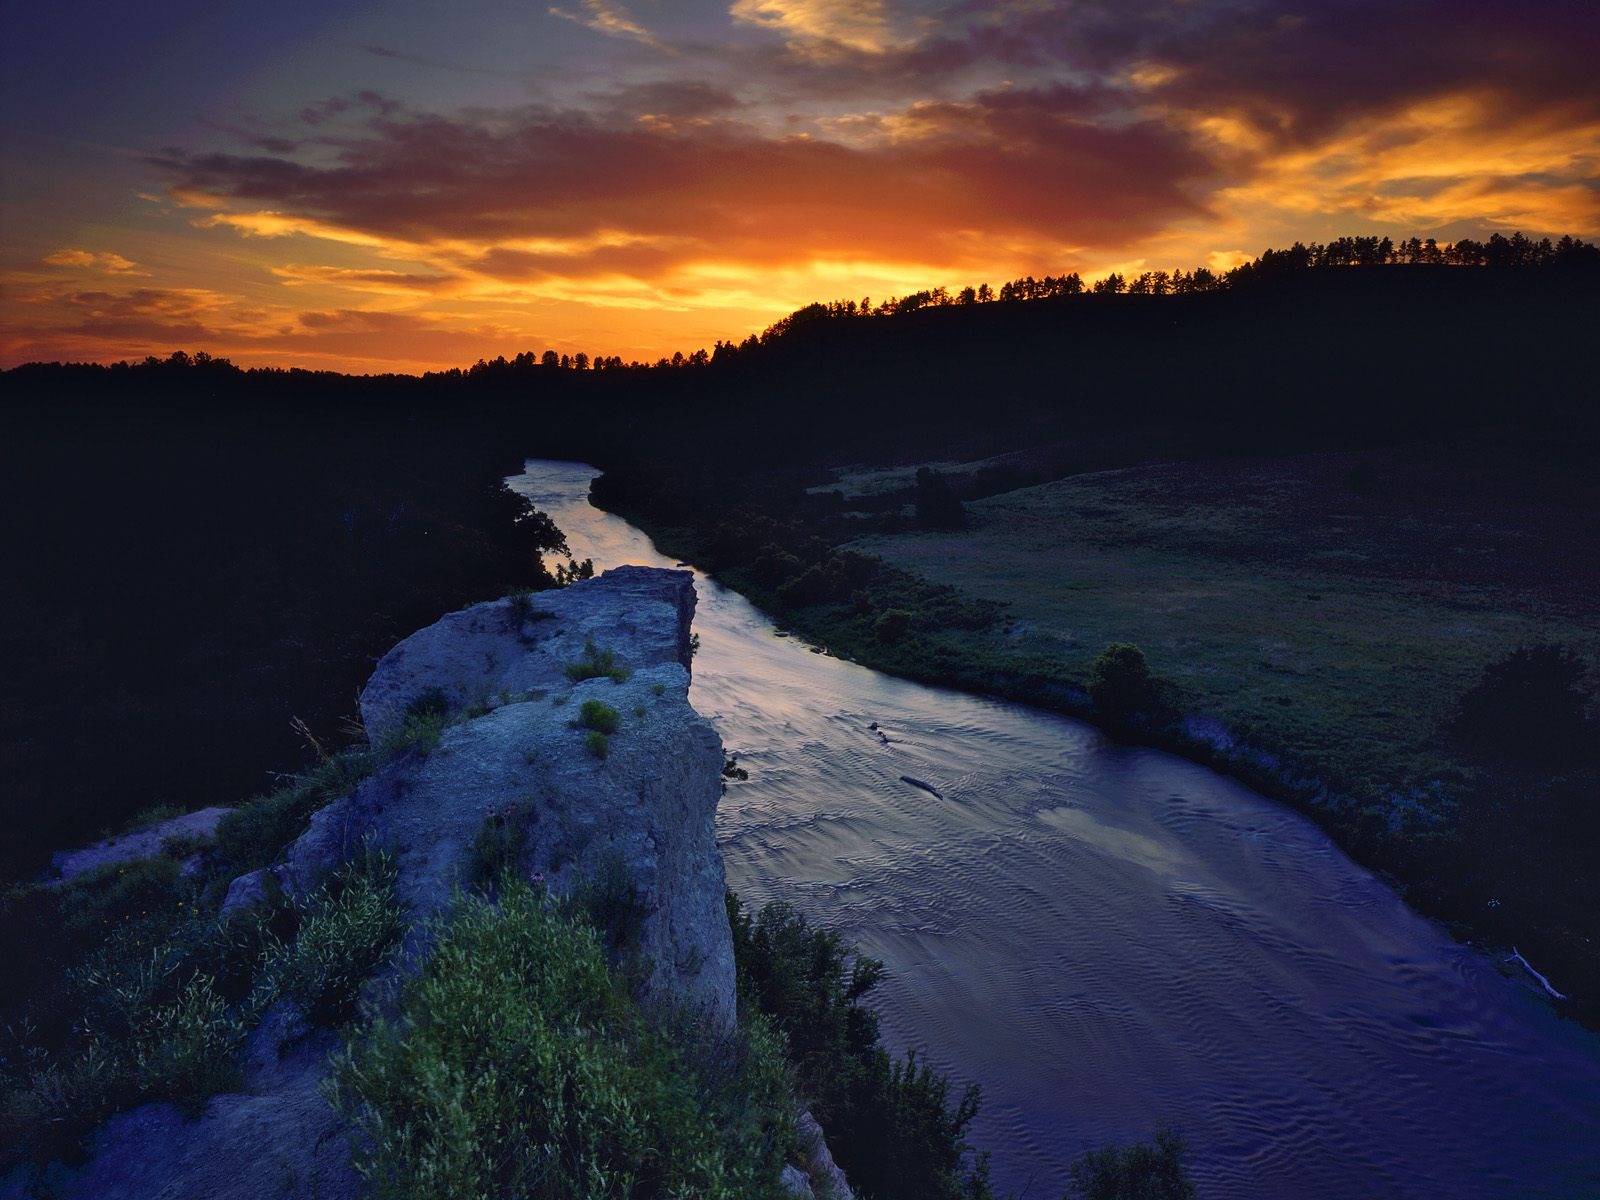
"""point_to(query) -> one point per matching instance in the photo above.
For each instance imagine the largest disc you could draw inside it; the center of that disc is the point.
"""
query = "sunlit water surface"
(1106, 937)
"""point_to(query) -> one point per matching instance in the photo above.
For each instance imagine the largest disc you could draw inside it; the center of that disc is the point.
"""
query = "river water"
(1106, 937)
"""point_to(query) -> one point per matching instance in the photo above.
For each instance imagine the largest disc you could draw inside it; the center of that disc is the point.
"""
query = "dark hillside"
(183, 579)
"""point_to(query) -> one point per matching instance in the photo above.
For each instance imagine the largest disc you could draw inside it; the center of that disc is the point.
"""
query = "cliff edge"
(509, 680)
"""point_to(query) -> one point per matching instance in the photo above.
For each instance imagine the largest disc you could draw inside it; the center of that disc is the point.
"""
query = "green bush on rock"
(517, 1064)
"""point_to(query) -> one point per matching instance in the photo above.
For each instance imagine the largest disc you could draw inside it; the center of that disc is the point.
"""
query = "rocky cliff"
(506, 671)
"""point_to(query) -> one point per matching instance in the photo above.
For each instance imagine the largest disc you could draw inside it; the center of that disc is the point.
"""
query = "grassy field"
(1335, 605)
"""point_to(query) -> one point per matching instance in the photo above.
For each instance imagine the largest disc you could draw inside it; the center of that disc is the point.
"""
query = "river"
(1105, 937)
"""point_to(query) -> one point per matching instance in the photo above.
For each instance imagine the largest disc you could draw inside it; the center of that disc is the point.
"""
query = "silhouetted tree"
(937, 506)
(1529, 708)
(1119, 681)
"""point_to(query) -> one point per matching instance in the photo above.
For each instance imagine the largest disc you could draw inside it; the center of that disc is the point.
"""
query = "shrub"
(595, 664)
(1528, 708)
(573, 571)
(891, 1125)
(607, 900)
(146, 1025)
(937, 506)
(349, 927)
(597, 743)
(891, 625)
(1136, 1172)
(186, 1050)
(516, 1065)
(254, 834)
(501, 843)
(1119, 681)
(596, 714)
(422, 725)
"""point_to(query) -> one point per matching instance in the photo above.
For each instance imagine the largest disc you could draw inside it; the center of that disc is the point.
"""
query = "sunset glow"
(408, 187)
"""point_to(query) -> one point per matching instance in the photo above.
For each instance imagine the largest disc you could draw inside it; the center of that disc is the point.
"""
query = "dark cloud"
(1307, 72)
(682, 98)
(1303, 69)
(142, 302)
(1013, 162)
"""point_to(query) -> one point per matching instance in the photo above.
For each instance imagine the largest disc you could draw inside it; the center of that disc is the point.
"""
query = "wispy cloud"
(611, 19)
(818, 26)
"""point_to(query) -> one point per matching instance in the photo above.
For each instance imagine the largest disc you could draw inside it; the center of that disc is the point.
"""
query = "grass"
(518, 1064)
(601, 721)
(1291, 600)
(255, 833)
(501, 843)
(128, 986)
(597, 714)
(596, 663)
(422, 725)
(348, 928)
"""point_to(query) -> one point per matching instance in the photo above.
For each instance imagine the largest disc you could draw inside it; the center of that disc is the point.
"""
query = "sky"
(417, 184)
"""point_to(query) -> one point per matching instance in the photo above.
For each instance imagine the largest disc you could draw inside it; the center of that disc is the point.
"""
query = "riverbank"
(1316, 620)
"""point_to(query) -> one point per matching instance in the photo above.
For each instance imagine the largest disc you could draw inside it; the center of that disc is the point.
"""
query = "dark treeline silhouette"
(1498, 252)
(195, 556)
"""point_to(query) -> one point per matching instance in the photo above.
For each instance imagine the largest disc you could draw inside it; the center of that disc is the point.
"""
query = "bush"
(891, 625)
(597, 743)
(937, 506)
(596, 664)
(1136, 1172)
(517, 1066)
(349, 927)
(1529, 708)
(254, 834)
(891, 1124)
(596, 714)
(1119, 681)
(608, 901)
(145, 1025)
(501, 844)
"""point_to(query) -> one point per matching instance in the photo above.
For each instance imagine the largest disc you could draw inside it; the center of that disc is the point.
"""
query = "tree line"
(1518, 252)
(1498, 252)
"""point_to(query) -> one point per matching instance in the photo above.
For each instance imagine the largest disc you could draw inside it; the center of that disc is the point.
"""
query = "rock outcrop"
(643, 812)
(148, 842)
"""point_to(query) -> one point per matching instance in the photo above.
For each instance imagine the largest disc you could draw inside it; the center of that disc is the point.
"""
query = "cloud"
(817, 148)
(677, 99)
(379, 280)
(166, 303)
(438, 64)
(821, 26)
(100, 260)
(1017, 163)
(611, 19)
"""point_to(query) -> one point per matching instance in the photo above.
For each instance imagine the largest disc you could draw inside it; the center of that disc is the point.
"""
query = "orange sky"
(376, 188)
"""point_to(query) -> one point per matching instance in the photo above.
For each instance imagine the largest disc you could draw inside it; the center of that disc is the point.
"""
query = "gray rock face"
(826, 1179)
(648, 806)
